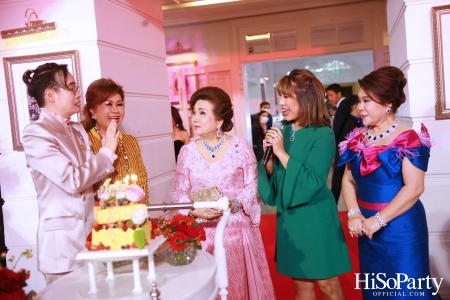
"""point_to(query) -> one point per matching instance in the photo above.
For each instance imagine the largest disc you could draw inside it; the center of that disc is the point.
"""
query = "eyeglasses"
(76, 89)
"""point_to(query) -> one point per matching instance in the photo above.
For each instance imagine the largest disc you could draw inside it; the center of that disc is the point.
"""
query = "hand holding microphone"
(273, 136)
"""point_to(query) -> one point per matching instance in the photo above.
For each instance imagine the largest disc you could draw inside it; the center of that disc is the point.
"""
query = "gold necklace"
(125, 156)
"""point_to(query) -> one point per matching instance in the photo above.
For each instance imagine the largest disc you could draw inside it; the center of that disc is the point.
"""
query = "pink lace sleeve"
(181, 183)
(249, 195)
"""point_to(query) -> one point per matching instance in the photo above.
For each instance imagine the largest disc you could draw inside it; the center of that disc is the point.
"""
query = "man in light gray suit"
(63, 169)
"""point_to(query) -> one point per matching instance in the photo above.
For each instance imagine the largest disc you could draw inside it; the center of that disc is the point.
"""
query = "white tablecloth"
(195, 281)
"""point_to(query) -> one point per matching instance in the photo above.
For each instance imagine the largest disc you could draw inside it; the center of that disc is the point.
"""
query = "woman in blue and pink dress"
(387, 162)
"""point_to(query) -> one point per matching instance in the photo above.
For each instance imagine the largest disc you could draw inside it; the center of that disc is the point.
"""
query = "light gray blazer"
(64, 172)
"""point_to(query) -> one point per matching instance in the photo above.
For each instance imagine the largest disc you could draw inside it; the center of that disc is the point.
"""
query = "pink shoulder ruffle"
(424, 136)
(355, 139)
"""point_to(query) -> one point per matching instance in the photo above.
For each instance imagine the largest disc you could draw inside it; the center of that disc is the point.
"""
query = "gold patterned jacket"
(133, 159)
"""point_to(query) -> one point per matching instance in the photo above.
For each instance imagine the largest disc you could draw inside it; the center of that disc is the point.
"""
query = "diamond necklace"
(375, 139)
(214, 149)
(292, 138)
(125, 156)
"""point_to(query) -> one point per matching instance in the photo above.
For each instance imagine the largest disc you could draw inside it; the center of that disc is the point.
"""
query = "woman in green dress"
(310, 245)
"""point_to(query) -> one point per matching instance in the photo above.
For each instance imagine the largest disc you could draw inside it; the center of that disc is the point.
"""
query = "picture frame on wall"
(23, 109)
(441, 42)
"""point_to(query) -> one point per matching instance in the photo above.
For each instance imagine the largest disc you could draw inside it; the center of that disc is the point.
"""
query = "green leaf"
(198, 247)
(139, 238)
(30, 295)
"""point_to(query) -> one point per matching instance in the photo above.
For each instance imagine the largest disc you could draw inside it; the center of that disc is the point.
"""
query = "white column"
(120, 39)
(411, 49)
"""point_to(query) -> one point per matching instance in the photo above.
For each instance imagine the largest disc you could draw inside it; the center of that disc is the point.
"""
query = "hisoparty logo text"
(379, 281)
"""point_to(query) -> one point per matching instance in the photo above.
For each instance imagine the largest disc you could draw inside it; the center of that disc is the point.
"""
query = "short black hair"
(262, 112)
(335, 87)
(351, 101)
(264, 103)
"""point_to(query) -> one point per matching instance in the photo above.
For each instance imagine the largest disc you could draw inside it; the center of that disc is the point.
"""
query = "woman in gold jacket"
(105, 103)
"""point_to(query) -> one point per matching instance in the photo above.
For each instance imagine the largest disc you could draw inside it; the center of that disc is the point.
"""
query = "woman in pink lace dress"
(228, 162)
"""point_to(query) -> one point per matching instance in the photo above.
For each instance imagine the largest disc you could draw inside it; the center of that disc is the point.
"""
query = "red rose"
(11, 281)
(14, 295)
(178, 241)
(192, 232)
(182, 227)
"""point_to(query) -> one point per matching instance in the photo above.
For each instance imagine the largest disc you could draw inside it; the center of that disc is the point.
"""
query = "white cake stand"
(110, 256)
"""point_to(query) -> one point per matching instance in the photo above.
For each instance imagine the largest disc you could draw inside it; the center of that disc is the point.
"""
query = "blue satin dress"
(399, 250)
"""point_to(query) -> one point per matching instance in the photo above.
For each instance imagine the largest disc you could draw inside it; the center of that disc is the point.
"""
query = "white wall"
(411, 49)
(120, 39)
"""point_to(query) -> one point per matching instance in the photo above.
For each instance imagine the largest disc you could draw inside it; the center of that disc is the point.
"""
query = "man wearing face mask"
(263, 106)
(259, 129)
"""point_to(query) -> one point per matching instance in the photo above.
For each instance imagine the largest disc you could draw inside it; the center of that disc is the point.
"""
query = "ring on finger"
(351, 229)
(363, 231)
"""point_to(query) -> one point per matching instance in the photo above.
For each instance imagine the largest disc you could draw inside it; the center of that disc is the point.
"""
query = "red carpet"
(284, 288)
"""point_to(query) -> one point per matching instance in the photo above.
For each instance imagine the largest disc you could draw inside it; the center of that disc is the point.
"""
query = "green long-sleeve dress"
(310, 242)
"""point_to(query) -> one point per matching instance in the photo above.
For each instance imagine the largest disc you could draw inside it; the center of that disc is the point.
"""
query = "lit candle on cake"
(126, 179)
(117, 191)
(134, 178)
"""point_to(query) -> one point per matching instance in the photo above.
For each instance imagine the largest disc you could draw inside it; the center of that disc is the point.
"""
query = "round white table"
(195, 281)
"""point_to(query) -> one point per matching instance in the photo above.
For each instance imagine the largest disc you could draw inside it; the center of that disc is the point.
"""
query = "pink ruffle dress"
(235, 176)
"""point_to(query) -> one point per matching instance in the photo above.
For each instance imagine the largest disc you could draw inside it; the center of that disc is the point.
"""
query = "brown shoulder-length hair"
(385, 85)
(221, 102)
(303, 86)
(97, 92)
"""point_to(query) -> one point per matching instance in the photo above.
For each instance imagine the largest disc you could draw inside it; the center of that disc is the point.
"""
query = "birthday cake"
(121, 219)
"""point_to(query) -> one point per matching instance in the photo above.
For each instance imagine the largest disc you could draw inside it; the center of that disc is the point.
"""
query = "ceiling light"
(196, 3)
(257, 37)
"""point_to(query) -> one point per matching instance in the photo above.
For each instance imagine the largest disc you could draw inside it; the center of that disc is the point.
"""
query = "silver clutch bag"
(209, 194)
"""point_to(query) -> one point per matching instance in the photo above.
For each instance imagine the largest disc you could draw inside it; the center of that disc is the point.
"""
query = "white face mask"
(264, 120)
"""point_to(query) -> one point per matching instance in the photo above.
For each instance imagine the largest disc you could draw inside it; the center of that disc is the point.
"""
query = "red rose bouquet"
(182, 231)
(12, 283)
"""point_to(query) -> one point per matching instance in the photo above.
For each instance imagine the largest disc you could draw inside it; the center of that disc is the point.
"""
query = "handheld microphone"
(269, 149)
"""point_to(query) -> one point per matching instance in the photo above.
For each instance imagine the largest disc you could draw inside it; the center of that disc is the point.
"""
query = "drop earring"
(93, 117)
(388, 110)
(218, 132)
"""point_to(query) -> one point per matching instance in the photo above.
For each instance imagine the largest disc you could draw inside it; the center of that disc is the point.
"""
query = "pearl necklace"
(374, 139)
(122, 148)
(214, 149)
(292, 138)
